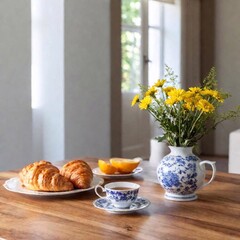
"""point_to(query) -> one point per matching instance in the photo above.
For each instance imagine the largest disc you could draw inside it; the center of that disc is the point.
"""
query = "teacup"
(120, 194)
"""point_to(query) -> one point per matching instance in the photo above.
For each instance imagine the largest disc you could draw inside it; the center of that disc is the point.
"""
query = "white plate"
(14, 185)
(98, 172)
(105, 204)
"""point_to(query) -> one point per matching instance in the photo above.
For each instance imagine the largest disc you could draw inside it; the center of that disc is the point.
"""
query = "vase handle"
(213, 165)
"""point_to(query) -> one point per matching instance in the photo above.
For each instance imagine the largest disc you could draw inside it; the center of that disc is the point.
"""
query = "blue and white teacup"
(120, 194)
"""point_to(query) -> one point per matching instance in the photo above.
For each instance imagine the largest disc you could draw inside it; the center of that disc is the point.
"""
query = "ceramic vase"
(157, 151)
(181, 173)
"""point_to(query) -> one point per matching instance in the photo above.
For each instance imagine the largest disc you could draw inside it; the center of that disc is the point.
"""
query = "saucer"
(99, 173)
(105, 204)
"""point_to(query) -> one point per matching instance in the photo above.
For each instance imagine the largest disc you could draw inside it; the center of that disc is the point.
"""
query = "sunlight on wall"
(47, 78)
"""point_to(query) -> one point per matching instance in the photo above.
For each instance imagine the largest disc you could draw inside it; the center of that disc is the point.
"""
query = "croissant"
(43, 176)
(78, 172)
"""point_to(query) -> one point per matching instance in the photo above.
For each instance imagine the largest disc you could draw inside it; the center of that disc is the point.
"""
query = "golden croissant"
(43, 176)
(78, 172)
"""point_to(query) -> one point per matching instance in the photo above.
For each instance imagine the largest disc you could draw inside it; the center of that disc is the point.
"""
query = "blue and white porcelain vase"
(181, 174)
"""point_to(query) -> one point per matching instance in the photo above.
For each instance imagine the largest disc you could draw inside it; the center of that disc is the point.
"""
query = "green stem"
(193, 126)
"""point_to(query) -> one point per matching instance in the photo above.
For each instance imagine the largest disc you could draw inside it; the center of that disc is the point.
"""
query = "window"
(142, 43)
(131, 44)
(156, 41)
(150, 39)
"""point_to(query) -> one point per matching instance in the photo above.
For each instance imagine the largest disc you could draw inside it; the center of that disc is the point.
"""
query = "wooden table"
(215, 215)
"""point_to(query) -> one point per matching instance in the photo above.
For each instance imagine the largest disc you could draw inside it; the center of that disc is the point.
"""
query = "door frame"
(116, 77)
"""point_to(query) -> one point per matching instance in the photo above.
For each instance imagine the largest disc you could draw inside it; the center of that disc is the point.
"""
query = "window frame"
(143, 29)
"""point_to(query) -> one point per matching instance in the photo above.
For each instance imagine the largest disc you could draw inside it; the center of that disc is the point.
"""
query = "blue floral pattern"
(105, 204)
(122, 196)
(179, 174)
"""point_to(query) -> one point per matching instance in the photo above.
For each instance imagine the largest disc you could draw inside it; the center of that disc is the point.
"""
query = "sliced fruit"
(106, 167)
(124, 165)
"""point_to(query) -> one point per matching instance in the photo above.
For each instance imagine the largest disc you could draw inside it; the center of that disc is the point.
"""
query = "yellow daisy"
(213, 93)
(151, 91)
(205, 106)
(177, 93)
(135, 99)
(145, 102)
(195, 89)
(171, 101)
(189, 106)
(168, 89)
(159, 83)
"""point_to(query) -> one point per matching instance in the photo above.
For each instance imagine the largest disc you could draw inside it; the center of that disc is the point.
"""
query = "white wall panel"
(48, 79)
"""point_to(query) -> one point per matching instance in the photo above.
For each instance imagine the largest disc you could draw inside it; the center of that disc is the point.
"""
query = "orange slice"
(106, 167)
(124, 165)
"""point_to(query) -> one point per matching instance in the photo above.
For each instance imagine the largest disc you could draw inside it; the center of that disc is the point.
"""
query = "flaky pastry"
(43, 176)
(78, 172)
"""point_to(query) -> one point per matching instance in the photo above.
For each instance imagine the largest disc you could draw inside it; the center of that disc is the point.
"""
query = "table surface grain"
(214, 215)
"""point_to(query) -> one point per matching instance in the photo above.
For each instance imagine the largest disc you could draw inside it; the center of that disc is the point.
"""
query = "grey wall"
(72, 118)
(227, 62)
(15, 84)
(220, 47)
(87, 78)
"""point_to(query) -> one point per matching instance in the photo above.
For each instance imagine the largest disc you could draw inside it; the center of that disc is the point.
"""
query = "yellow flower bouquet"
(185, 116)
